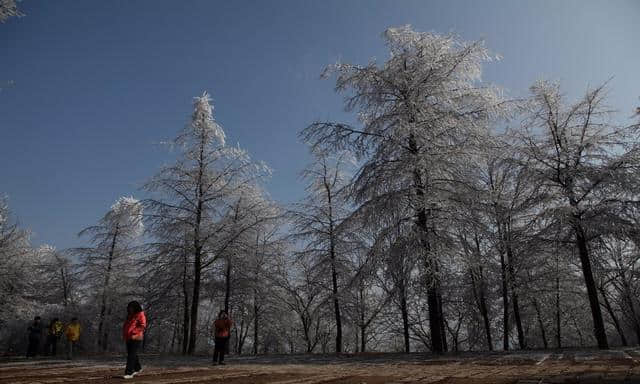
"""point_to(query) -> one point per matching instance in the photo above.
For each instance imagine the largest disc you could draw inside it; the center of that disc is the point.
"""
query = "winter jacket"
(134, 327)
(223, 327)
(34, 330)
(55, 328)
(73, 331)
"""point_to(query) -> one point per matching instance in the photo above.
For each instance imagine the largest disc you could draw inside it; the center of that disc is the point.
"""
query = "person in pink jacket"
(133, 333)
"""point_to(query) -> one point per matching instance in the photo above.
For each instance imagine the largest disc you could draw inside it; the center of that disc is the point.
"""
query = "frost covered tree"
(17, 267)
(589, 164)
(198, 191)
(167, 280)
(8, 9)
(301, 292)
(422, 114)
(107, 266)
(58, 275)
(317, 222)
(507, 201)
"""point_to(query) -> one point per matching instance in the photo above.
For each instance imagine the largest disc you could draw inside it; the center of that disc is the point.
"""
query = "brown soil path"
(617, 366)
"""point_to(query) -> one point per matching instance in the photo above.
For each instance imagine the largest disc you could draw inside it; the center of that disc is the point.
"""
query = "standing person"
(73, 335)
(53, 335)
(133, 333)
(222, 327)
(34, 332)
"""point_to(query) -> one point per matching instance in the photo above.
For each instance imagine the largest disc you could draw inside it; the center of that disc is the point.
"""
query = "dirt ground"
(615, 366)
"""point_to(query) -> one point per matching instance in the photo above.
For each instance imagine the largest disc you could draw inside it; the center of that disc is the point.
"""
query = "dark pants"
(32, 349)
(218, 351)
(52, 345)
(133, 363)
(71, 346)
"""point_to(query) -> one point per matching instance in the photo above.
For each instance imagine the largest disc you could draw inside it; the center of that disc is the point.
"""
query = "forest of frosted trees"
(445, 217)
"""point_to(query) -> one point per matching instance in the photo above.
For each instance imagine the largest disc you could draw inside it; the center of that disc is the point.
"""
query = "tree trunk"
(516, 313)
(65, 293)
(195, 301)
(540, 323)
(227, 285)
(505, 302)
(630, 306)
(612, 314)
(558, 328)
(405, 321)
(598, 323)
(334, 273)
(103, 306)
(514, 294)
(481, 296)
(197, 249)
(105, 333)
(436, 325)
(255, 327)
(363, 324)
(336, 307)
(443, 323)
(175, 331)
(435, 321)
(185, 304)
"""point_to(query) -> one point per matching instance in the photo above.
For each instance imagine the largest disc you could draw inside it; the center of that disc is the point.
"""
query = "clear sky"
(96, 84)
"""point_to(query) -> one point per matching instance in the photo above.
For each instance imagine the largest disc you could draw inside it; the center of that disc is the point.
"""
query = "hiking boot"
(137, 372)
(127, 377)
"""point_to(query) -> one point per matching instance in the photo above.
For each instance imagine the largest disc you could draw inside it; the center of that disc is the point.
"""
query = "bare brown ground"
(619, 366)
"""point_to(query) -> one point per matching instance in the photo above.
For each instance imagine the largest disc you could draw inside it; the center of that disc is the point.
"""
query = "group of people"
(132, 333)
(136, 324)
(53, 335)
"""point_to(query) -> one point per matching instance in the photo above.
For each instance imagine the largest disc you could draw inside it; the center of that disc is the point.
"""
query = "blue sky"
(97, 84)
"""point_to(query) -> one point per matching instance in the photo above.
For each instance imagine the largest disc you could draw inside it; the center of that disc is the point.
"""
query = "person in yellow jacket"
(54, 332)
(73, 335)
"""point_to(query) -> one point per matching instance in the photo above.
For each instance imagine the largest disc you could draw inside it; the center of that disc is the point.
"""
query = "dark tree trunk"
(516, 314)
(405, 322)
(505, 302)
(65, 289)
(336, 309)
(630, 306)
(558, 325)
(175, 331)
(185, 307)
(435, 320)
(227, 286)
(195, 301)
(363, 323)
(480, 295)
(598, 323)
(197, 249)
(255, 327)
(436, 325)
(514, 295)
(540, 323)
(334, 273)
(443, 323)
(103, 305)
(482, 306)
(613, 316)
(105, 333)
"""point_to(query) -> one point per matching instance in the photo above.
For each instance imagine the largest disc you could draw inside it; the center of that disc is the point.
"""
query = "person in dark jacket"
(34, 333)
(53, 335)
(222, 331)
(133, 333)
